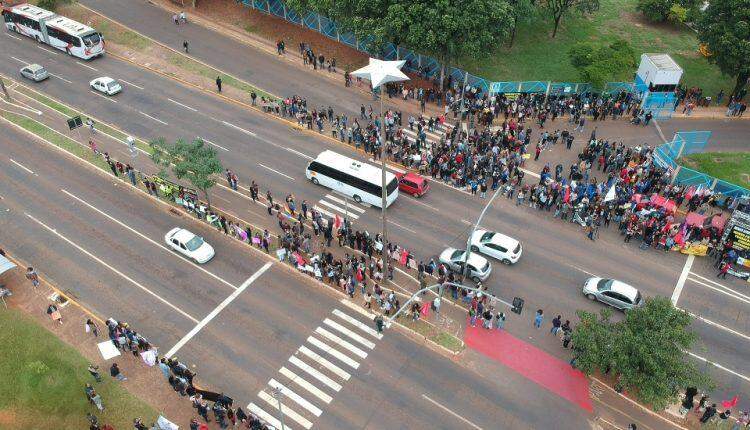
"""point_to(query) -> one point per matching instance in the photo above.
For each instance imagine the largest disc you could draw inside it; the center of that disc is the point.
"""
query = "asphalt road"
(102, 242)
(557, 258)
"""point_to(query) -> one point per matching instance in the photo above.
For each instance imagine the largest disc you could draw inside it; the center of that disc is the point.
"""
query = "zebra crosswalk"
(331, 205)
(317, 370)
(432, 136)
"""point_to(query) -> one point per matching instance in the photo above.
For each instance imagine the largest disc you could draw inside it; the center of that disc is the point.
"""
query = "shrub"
(600, 64)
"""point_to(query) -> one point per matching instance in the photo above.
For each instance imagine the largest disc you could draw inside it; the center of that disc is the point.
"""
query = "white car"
(496, 245)
(612, 292)
(106, 85)
(479, 267)
(189, 245)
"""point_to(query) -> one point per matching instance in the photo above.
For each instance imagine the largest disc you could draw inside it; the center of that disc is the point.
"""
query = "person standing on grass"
(32, 276)
(114, 371)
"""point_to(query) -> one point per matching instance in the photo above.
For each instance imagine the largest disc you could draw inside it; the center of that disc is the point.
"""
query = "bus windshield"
(92, 39)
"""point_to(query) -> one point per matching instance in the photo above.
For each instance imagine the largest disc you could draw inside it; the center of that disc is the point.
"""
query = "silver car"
(35, 72)
(612, 292)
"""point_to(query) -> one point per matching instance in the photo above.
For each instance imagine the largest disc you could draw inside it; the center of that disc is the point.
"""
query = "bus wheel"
(357, 198)
(315, 181)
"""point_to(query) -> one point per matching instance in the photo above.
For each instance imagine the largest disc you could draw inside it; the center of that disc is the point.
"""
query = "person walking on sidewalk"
(91, 327)
(114, 371)
(54, 313)
(218, 83)
(32, 276)
(185, 45)
(538, 318)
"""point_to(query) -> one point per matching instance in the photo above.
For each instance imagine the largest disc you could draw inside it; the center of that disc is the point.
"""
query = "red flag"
(337, 222)
(566, 197)
(729, 404)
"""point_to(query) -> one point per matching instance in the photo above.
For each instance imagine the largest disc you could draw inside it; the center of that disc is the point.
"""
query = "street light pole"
(384, 190)
(277, 394)
(465, 269)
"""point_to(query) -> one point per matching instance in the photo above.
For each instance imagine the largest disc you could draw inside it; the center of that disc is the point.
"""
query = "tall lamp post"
(379, 73)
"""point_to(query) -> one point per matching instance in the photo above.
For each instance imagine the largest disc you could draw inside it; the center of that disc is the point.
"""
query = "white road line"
(285, 410)
(582, 270)
(715, 324)
(341, 342)
(681, 280)
(341, 329)
(315, 374)
(155, 119)
(719, 366)
(180, 104)
(467, 222)
(359, 324)
(711, 281)
(451, 412)
(276, 171)
(229, 124)
(325, 363)
(212, 144)
(344, 202)
(124, 276)
(338, 209)
(86, 66)
(48, 50)
(143, 236)
(60, 78)
(265, 416)
(217, 310)
(131, 84)
(15, 37)
(367, 314)
(306, 385)
(416, 200)
(323, 211)
(20, 60)
(334, 352)
(103, 96)
(401, 226)
(734, 295)
(299, 153)
(296, 397)
(23, 167)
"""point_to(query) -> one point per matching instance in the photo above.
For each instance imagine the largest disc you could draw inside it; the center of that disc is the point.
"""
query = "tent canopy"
(5, 265)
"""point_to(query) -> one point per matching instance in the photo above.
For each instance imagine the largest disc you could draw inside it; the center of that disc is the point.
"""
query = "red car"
(413, 184)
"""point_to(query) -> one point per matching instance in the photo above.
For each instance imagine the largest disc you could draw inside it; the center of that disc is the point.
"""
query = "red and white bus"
(76, 39)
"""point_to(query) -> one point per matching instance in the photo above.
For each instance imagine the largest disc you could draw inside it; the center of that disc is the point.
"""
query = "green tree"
(558, 8)
(645, 352)
(522, 11)
(667, 10)
(601, 64)
(48, 4)
(446, 29)
(194, 161)
(725, 29)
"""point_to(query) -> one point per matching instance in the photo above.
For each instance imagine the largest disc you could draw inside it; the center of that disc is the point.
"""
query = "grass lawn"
(536, 56)
(732, 167)
(43, 380)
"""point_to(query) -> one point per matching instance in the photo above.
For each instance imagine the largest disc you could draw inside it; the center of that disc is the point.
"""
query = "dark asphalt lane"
(243, 347)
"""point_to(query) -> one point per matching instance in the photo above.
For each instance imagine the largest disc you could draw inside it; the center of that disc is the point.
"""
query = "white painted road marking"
(48, 50)
(339, 209)
(155, 119)
(132, 84)
(218, 310)
(451, 412)
(86, 66)
(23, 167)
(345, 203)
(285, 410)
(351, 334)
(15, 37)
(333, 352)
(180, 104)
(293, 151)
(212, 144)
(357, 323)
(103, 96)
(315, 374)
(296, 397)
(324, 212)
(715, 324)
(719, 366)
(681, 280)
(325, 363)
(60, 78)
(341, 342)
(20, 60)
(276, 171)
(143, 236)
(265, 416)
(124, 276)
(360, 310)
(306, 385)
(724, 290)
(229, 124)
(583, 270)
(402, 227)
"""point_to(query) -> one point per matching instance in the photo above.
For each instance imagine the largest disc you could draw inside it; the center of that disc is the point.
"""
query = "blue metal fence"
(686, 143)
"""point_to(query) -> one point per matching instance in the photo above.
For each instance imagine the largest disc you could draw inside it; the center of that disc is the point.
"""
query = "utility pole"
(5, 90)
(277, 394)
(384, 187)
(465, 269)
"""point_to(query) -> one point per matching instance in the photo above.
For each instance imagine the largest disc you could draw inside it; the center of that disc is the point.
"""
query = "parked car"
(496, 245)
(189, 245)
(106, 85)
(612, 292)
(413, 184)
(35, 72)
(479, 267)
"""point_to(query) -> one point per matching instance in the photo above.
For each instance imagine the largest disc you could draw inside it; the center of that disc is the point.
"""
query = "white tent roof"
(5, 265)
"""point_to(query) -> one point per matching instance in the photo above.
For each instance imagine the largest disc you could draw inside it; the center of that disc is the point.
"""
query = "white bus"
(358, 180)
(56, 31)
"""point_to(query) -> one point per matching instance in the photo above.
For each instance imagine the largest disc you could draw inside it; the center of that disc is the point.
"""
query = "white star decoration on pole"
(382, 72)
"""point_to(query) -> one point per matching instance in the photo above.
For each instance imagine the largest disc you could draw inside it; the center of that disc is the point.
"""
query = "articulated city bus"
(57, 31)
(358, 180)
